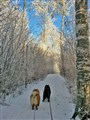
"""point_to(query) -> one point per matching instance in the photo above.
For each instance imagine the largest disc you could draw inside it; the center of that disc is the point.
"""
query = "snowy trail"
(61, 103)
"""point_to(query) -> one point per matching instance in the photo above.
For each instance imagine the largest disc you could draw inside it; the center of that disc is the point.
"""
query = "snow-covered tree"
(82, 61)
(14, 33)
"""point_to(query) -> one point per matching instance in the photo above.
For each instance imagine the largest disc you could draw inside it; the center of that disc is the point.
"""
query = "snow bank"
(61, 102)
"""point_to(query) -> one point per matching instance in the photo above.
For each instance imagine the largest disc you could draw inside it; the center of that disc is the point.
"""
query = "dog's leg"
(33, 107)
(36, 108)
(48, 100)
(48, 96)
(43, 98)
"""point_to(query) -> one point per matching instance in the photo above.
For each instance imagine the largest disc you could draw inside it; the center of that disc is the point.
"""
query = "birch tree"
(82, 62)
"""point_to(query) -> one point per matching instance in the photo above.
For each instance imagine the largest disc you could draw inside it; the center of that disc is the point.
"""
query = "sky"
(35, 22)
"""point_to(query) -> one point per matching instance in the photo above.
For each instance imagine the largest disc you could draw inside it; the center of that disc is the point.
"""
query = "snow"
(19, 108)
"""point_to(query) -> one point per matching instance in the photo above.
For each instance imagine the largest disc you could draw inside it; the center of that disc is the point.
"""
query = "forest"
(46, 37)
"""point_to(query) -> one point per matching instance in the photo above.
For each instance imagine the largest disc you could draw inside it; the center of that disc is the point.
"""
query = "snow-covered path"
(61, 103)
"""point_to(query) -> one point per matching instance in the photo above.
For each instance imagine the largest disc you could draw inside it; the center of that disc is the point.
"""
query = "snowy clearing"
(61, 102)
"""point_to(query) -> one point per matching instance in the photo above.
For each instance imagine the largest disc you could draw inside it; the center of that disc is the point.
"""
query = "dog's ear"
(46, 85)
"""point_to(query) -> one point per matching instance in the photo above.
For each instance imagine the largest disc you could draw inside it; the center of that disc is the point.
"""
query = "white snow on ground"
(61, 102)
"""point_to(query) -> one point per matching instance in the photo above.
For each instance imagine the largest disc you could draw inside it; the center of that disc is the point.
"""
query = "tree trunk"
(62, 69)
(26, 70)
(82, 62)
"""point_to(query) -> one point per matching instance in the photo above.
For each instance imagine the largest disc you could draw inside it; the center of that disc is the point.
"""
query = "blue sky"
(35, 22)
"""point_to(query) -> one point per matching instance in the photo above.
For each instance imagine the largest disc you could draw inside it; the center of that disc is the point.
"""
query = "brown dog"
(35, 99)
